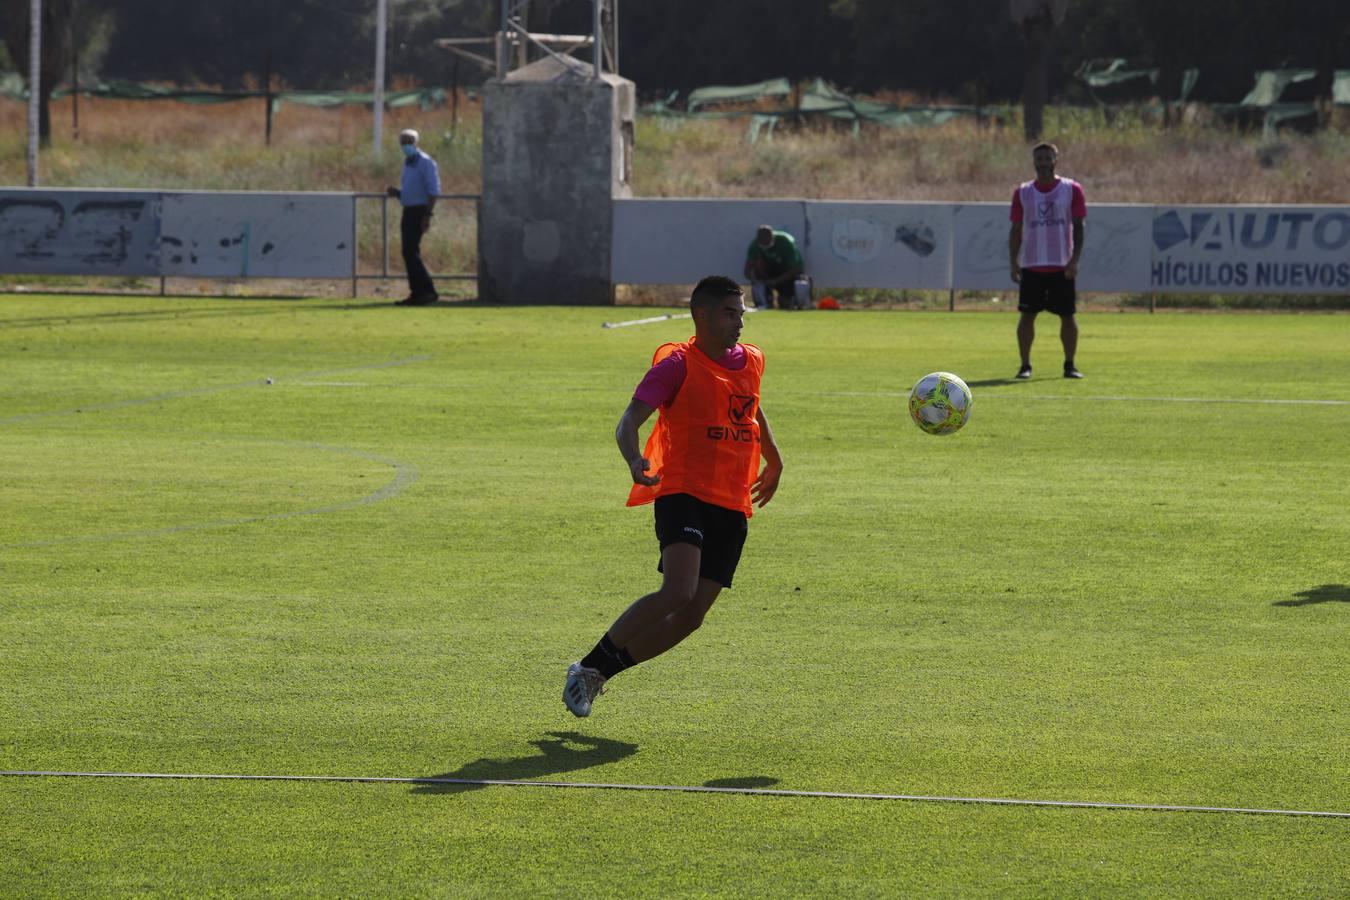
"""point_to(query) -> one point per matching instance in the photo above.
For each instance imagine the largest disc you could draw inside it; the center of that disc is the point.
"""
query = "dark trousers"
(419, 279)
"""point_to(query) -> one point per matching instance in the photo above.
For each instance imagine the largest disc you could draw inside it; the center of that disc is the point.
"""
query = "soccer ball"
(940, 403)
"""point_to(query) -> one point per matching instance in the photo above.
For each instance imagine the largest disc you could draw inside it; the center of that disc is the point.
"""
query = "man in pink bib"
(1044, 246)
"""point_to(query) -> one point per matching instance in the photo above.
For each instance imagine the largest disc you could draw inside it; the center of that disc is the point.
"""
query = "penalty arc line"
(695, 789)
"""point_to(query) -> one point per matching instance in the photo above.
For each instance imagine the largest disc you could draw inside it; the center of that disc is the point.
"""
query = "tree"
(1037, 19)
(1324, 44)
(316, 44)
(943, 48)
(693, 43)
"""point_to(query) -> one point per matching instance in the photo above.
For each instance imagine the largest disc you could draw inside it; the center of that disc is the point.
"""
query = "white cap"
(408, 133)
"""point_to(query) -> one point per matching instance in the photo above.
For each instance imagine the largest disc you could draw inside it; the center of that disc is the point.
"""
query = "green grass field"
(1130, 589)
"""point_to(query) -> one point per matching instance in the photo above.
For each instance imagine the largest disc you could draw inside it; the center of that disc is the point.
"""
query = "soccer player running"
(701, 468)
(1045, 243)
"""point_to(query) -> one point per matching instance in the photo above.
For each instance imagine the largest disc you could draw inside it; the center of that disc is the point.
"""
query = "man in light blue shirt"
(421, 183)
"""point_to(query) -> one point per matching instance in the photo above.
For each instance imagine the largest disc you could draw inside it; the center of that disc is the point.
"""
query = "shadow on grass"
(561, 751)
(1323, 593)
(994, 382)
(750, 781)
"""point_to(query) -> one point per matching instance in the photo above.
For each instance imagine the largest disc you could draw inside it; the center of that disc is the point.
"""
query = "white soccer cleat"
(582, 687)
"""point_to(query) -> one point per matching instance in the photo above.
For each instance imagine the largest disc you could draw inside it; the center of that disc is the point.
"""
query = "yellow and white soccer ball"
(940, 403)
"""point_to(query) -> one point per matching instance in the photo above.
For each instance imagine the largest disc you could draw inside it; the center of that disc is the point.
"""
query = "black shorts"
(717, 531)
(1046, 291)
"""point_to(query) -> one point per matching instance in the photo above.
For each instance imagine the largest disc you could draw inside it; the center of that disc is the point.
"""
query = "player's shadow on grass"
(992, 382)
(561, 751)
(1323, 593)
(750, 782)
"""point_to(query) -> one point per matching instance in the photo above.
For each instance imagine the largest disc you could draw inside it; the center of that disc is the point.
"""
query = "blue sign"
(1252, 250)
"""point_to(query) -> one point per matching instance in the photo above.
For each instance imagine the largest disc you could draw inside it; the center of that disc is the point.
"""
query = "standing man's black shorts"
(1046, 291)
(719, 532)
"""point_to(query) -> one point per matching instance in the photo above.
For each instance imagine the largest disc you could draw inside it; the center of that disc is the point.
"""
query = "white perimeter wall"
(933, 246)
(194, 234)
(259, 235)
(936, 246)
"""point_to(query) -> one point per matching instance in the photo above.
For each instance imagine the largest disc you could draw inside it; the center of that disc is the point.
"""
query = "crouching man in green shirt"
(772, 265)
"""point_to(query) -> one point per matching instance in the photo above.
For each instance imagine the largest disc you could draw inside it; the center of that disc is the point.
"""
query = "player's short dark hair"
(1046, 145)
(713, 290)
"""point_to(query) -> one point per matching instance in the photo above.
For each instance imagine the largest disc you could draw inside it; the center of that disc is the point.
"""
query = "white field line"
(889, 394)
(647, 321)
(1112, 399)
(416, 386)
(662, 318)
(694, 789)
(213, 389)
(1270, 402)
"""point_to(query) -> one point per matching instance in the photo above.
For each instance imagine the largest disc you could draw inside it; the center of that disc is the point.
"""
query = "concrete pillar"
(557, 150)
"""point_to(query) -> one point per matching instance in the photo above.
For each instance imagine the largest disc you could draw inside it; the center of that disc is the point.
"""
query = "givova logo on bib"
(742, 410)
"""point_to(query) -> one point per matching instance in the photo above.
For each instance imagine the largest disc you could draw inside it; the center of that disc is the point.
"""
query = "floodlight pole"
(34, 86)
(597, 35)
(74, 72)
(503, 42)
(381, 14)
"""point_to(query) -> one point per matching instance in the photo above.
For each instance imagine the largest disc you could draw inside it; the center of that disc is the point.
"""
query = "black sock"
(1068, 364)
(608, 659)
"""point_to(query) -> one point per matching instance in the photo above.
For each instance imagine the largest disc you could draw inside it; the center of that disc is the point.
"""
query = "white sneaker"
(582, 687)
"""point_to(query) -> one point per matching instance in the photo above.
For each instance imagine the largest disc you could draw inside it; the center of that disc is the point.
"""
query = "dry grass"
(181, 146)
(958, 161)
(170, 145)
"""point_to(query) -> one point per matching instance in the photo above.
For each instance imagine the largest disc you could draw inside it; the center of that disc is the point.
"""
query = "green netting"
(746, 93)
(664, 107)
(1107, 73)
(1188, 80)
(12, 85)
(1265, 96)
(425, 98)
(761, 127)
(1271, 83)
(819, 100)
(131, 90)
(1271, 117)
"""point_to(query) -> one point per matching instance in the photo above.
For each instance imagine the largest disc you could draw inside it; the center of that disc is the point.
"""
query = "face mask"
(409, 150)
